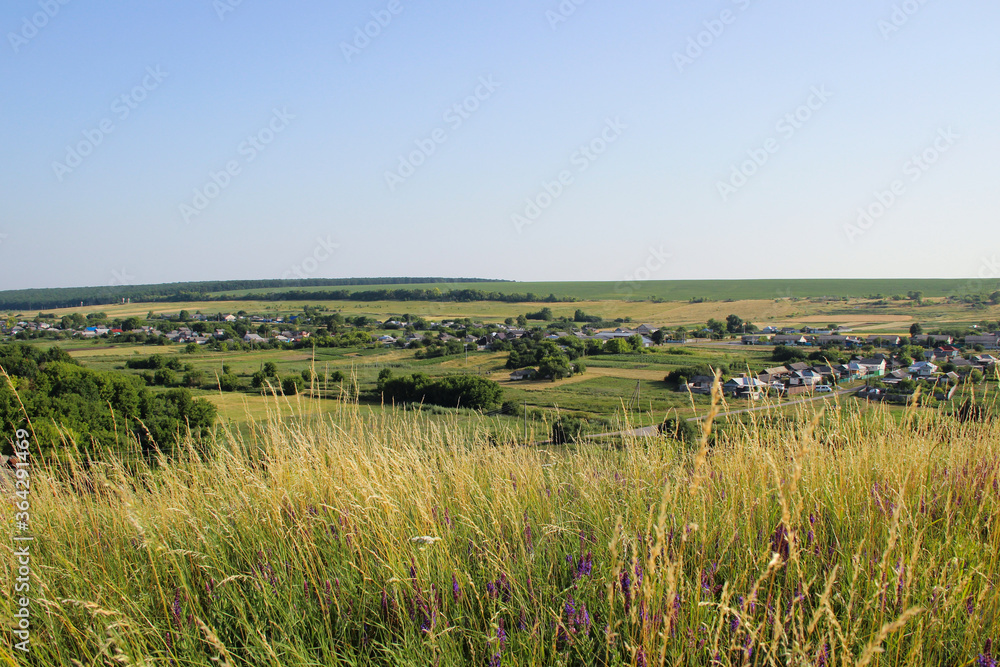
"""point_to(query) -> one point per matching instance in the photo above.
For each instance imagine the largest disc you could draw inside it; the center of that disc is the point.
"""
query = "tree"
(384, 376)
(718, 328)
(258, 379)
(555, 367)
(522, 321)
(229, 382)
(916, 329)
(291, 385)
(734, 324)
(995, 297)
(616, 346)
(184, 316)
(917, 296)
(658, 337)
(164, 376)
(270, 369)
(193, 378)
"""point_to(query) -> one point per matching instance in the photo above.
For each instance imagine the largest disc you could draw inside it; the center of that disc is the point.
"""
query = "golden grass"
(835, 539)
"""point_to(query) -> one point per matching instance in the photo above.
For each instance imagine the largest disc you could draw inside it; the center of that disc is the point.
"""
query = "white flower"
(424, 540)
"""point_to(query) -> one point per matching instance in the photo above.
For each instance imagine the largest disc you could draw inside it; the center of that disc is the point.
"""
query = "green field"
(683, 290)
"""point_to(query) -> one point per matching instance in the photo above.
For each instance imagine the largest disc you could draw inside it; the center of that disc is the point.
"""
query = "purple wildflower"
(501, 635)
(986, 659)
(570, 610)
(456, 591)
(640, 659)
(176, 610)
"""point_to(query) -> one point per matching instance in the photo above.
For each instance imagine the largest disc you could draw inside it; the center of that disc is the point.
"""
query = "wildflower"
(456, 591)
(986, 659)
(779, 542)
(424, 541)
(583, 618)
(501, 635)
(626, 584)
(584, 566)
(640, 659)
(822, 657)
(570, 610)
(176, 609)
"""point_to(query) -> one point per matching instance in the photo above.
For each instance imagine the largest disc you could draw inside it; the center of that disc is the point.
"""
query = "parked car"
(823, 389)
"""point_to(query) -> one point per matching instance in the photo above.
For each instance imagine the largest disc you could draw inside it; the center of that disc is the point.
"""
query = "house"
(923, 369)
(873, 366)
(933, 339)
(229, 317)
(755, 339)
(643, 330)
(807, 378)
(826, 370)
(884, 340)
(744, 387)
(253, 338)
(523, 374)
(770, 330)
(895, 377)
(790, 339)
(984, 360)
(701, 384)
(964, 365)
(989, 342)
(946, 352)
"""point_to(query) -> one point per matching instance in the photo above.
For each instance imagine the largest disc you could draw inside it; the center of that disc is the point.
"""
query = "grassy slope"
(786, 543)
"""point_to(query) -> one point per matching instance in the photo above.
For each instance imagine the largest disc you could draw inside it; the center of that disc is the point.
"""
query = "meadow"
(846, 538)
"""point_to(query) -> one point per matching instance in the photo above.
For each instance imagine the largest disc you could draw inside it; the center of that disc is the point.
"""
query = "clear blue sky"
(672, 121)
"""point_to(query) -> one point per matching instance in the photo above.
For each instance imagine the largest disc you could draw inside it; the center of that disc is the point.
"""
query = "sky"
(176, 140)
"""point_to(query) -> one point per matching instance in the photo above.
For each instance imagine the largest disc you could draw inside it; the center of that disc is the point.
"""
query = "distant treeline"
(68, 297)
(433, 294)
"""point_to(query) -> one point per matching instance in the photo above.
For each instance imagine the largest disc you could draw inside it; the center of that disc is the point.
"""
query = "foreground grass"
(403, 541)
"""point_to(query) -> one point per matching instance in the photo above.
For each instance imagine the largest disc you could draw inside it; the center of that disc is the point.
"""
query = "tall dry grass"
(842, 539)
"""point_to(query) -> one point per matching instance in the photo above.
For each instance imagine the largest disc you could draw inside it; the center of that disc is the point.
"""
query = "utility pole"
(526, 421)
